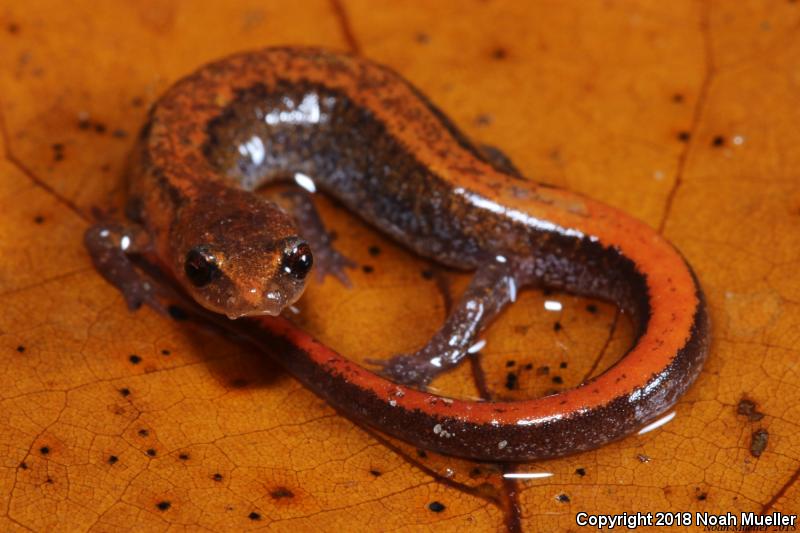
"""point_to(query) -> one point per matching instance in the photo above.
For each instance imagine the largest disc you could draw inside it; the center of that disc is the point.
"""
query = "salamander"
(359, 132)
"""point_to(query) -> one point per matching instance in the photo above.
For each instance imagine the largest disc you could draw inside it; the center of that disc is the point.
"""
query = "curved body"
(372, 141)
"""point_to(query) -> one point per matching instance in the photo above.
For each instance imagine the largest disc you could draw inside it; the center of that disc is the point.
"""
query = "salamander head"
(243, 262)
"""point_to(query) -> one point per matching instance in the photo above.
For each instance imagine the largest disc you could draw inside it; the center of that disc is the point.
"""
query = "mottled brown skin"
(362, 134)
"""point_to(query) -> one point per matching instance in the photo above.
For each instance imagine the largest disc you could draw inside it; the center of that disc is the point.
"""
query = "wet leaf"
(683, 115)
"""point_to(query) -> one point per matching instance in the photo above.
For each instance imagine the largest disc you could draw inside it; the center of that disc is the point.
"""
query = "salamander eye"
(297, 260)
(201, 266)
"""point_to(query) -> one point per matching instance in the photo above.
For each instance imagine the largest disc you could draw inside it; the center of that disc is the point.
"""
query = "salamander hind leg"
(110, 246)
(492, 288)
(328, 261)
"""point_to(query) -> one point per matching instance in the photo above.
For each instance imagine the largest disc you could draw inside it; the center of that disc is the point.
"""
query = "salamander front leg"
(110, 245)
(494, 286)
(327, 259)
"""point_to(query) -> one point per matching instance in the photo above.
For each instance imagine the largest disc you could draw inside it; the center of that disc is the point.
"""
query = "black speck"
(436, 507)
(99, 127)
(163, 506)
(44, 450)
(580, 471)
(38, 219)
(183, 457)
(368, 269)
(563, 364)
(684, 136)
(166, 352)
(718, 141)
(563, 498)
(422, 453)
(49, 480)
(529, 366)
(23, 465)
(748, 408)
(125, 392)
(177, 313)
(702, 496)
(254, 516)
(758, 442)
(557, 326)
(483, 119)
(20, 348)
(281, 492)
(591, 308)
(510, 363)
(499, 53)
(376, 473)
(427, 274)
(678, 98)
(558, 380)
(135, 359)
(112, 459)
(511, 381)
(422, 38)
(143, 433)
(217, 477)
(374, 250)
(151, 452)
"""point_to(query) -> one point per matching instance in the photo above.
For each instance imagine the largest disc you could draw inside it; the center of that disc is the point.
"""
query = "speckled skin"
(374, 142)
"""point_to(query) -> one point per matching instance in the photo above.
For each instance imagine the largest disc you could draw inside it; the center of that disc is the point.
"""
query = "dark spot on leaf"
(163, 506)
(20, 348)
(13, 28)
(368, 269)
(678, 98)
(23, 465)
(749, 409)
(563, 364)
(49, 480)
(484, 119)
(511, 381)
(702, 496)
(177, 313)
(684, 136)
(422, 38)
(376, 473)
(143, 433)
(436, 507)
(758, 442)
(135, 359)
(281, 492)
(718, 141)
(557, 326)
(166, 352)
(499, 53)
(112, 459)
(563, 498)
(529, 366)
(125, 392)
(183, 456)
(580, 471)
(151, 452)
(44, 450)
(38, 219)
(217, 477)
(254, 516)
(99, 127)
(510, 363)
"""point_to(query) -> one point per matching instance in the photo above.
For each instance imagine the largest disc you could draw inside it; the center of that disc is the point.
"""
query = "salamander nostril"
(297, 260)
